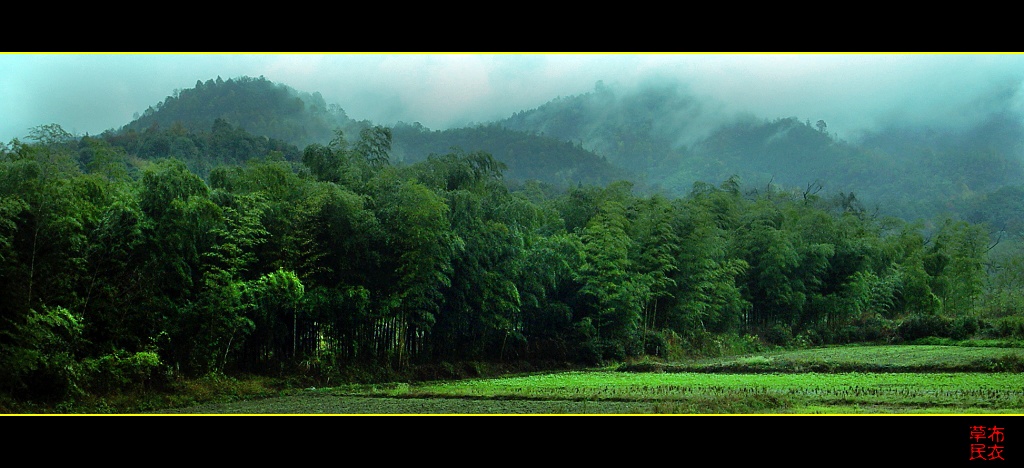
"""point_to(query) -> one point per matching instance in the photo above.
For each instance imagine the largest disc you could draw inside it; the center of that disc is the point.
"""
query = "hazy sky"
(90, 93)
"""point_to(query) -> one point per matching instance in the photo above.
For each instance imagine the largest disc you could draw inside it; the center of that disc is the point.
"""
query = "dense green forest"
(119, 270)
(284, 116)
(255, 104)
(560, 163)
(136, 257)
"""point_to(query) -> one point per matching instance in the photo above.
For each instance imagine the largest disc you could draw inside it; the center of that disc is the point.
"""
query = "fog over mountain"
(298, 220)
(90, 93)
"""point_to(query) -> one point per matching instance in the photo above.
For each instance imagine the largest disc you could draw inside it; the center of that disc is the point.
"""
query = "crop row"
(1004, 391)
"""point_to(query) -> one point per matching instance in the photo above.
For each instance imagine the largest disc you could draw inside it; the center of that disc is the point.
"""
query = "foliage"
(1010, 327)
(921, 326)
(260, 106)
(38, 356)
(528, 156)
(121, 268)
(123, 372)
(662, 133)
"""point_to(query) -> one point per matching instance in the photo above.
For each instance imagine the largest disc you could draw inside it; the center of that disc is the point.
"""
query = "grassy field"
(843, 380)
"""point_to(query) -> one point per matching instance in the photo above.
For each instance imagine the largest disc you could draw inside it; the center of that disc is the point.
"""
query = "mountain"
(657, 135)
(257, 105)
(527, 156)
(674, 139)
(285, 115)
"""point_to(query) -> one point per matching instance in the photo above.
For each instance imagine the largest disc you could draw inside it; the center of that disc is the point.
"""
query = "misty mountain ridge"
(257, 105)
(281, 113)
(659, 136)
(675, 139)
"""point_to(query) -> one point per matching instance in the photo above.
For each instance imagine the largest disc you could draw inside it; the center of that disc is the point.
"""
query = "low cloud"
(90, 93)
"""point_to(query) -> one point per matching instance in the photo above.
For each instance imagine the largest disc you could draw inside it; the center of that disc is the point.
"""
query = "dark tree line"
(119, 270)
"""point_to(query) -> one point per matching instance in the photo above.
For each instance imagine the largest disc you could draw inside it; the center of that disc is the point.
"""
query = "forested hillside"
(141, 256)
(120, 272)
(200, 150)
(258, 105)
(527, 157)
(673, 140)
(658, 136)
(287, 117)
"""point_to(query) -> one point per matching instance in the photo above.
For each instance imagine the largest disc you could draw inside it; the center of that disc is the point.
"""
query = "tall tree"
(614, 296)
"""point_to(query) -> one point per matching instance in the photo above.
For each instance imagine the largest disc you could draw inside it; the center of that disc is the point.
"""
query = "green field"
(916, 380)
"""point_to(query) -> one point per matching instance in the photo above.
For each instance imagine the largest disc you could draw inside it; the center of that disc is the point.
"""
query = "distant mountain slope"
(633, 130)
(280, 113)
(201, 150)
(674, 139)
(527, 156)
(657, 135)
(259, 106)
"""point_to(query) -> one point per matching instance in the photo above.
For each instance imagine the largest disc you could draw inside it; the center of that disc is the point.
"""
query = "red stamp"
(986, 443)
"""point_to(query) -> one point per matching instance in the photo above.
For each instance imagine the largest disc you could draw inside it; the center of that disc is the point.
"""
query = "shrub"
(701, 343)
(612, 350)
(123, 371)
(875, 328)
(850, 334)
(754, 362)
(934, 341)
(1010, 327)
(656, 343)
(37, 360)
(1008, 363)
(731, 344)
(821, 335)
(779, 334)
(923, 325)
(675, 345)
(965, 327)
(807, 339)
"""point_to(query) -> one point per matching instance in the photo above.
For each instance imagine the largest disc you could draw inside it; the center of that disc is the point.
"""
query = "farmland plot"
(927, 379)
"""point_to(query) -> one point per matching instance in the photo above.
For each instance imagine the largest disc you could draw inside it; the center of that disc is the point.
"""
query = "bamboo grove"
(116, 270)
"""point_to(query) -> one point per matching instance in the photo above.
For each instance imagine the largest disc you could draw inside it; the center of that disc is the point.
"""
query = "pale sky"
(90, 93)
